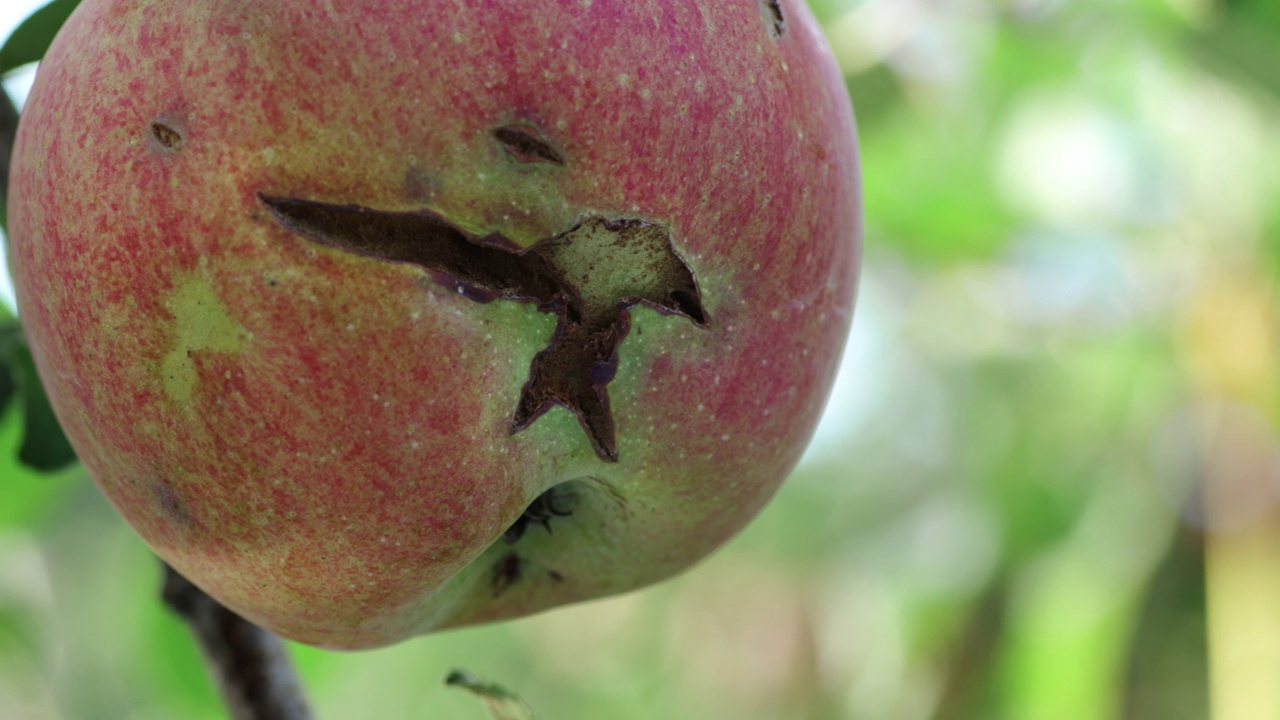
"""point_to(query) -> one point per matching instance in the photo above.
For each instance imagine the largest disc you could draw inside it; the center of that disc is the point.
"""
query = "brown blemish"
(589, 277)
(420, 185)
(168, 137)
(170, 504)
(771, 13)
(527, 145)
(507, 572)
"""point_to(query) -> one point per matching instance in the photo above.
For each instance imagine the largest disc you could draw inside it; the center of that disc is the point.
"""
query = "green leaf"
(1243, 48)
(502, 703)
(7, 388)
(31, 39)
(9, 335)
(44, 446)
(1262, 13)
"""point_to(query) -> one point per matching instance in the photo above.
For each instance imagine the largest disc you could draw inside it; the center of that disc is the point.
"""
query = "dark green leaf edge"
(31, 39)
(44, 446)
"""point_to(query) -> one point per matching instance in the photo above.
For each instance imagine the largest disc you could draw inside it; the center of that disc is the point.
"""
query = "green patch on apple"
(201, 323)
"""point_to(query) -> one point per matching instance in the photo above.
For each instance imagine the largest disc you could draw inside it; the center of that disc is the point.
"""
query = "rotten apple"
(375, 317)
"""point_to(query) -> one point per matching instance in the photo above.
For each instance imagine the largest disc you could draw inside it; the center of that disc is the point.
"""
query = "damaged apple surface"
(386, 316)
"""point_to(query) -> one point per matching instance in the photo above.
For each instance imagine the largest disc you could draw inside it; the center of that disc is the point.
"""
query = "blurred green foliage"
(1071, 217)
(28, 43)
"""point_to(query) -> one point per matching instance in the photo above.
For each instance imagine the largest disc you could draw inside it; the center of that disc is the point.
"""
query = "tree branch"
(252, 670)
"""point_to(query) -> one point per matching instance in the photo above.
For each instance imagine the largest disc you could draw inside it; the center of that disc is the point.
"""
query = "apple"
(376, 317)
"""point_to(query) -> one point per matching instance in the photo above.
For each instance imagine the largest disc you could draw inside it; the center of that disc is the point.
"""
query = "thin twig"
(252, 670)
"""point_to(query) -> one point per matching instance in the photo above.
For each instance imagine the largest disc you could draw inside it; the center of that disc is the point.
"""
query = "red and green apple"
(375, 317)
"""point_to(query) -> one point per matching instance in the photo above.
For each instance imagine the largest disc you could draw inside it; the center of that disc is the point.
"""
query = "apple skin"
(322, 441)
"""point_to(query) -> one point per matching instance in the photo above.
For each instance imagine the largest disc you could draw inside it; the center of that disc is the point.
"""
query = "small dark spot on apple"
(420, 185)
(168, 137)
(506, 572)
(525, 144)
(170, 503)
(555, 575)
(771, 13)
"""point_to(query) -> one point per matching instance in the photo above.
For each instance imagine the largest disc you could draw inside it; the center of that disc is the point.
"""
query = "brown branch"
(252, 670)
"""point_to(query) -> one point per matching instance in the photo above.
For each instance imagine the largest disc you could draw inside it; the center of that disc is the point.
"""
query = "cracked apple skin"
(322, 439)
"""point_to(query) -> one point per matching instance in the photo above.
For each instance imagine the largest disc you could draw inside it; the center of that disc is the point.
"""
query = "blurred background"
(1046, 484)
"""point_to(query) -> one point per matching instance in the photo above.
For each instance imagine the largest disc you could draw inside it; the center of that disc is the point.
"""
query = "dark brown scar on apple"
(167, 136)
(507, 572)
(589, 276)
(510, 570)
(771, 12)
(525, 145)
